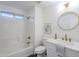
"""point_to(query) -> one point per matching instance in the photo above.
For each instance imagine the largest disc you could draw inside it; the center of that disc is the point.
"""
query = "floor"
(33, 55)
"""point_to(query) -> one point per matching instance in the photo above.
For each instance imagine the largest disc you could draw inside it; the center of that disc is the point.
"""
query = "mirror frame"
(66, 14)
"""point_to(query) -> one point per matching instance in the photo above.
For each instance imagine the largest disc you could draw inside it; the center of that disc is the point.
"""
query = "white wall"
(51, 15)
(38, 25)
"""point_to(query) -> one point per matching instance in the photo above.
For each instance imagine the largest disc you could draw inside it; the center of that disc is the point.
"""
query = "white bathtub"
(22, 53)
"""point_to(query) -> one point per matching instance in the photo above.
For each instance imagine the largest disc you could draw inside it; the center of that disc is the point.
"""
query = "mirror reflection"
(68, 21)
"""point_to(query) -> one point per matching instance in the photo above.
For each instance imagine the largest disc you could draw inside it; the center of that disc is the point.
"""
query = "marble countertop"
(71, 45)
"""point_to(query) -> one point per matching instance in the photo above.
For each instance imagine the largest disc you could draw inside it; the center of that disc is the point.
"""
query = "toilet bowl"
(40, 51)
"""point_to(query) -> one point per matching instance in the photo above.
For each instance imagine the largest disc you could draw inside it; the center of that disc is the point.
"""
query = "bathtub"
(22, 53)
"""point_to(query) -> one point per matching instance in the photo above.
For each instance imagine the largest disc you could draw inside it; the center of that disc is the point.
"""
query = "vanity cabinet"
(69, 51)
(51, 49)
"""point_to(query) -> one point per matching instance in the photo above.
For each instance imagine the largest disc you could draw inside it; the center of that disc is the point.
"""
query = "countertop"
(71, 45)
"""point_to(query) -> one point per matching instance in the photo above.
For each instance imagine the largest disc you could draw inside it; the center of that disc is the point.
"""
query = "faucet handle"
(69, 39)
(62, 38)
(55, 36)
(66, 37)
(29, 37)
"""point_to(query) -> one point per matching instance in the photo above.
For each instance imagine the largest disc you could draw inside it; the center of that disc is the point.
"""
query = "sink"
(72, 45)
(61, 42)
(56, 41)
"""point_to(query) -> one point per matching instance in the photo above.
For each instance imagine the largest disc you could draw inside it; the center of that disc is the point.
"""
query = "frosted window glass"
(11, 15)
(6, 14)
(19, 17)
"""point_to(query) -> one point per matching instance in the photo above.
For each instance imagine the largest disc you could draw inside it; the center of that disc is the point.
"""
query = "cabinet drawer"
(51, 54)
(50, 45)
(71, 53)
(51, 50)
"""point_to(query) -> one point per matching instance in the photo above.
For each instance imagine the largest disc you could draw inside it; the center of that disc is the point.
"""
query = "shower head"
(30, 17)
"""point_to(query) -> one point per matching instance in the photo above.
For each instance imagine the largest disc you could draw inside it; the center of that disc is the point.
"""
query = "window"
(6, 14)
(18, 17)
(11, 15)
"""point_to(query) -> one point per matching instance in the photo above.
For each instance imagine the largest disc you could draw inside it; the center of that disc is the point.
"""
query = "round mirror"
(68, 21)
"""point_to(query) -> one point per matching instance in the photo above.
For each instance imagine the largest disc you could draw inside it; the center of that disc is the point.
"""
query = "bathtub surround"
(31, 24)
(14, 33)
(21, 53)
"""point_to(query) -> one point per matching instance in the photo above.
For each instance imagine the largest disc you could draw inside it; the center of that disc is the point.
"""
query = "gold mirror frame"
(64, 15)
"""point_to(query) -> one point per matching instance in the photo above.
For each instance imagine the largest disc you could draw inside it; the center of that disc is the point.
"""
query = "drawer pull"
(60, 55)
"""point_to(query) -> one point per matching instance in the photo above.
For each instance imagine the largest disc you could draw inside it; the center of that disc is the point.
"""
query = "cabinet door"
(51, 54)
(50, 45)
(71, 53)
(51, 49)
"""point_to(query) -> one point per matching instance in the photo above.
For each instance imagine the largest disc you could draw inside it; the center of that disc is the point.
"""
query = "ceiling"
(50, 3)
(27, 5)
(23, 5)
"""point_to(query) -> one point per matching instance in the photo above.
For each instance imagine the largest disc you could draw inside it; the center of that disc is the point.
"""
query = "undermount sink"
(72, 45)
(61, 42)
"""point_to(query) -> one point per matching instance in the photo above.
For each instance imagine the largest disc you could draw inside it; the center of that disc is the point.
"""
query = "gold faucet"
(66, 37)
(69, 39)
(62, 38)
(55, 36)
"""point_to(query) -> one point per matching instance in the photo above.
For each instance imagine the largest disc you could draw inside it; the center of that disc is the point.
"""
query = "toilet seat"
(40, 49)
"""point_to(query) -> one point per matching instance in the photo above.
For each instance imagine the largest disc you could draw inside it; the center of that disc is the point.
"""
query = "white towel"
(60, 50)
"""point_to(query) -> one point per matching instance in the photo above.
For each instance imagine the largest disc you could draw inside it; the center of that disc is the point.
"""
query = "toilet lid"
(40, 48)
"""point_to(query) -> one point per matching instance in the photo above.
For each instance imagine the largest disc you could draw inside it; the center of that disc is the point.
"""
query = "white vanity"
(71, 49)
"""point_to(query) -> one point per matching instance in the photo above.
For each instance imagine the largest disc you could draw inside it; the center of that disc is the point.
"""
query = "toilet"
(40, 51)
